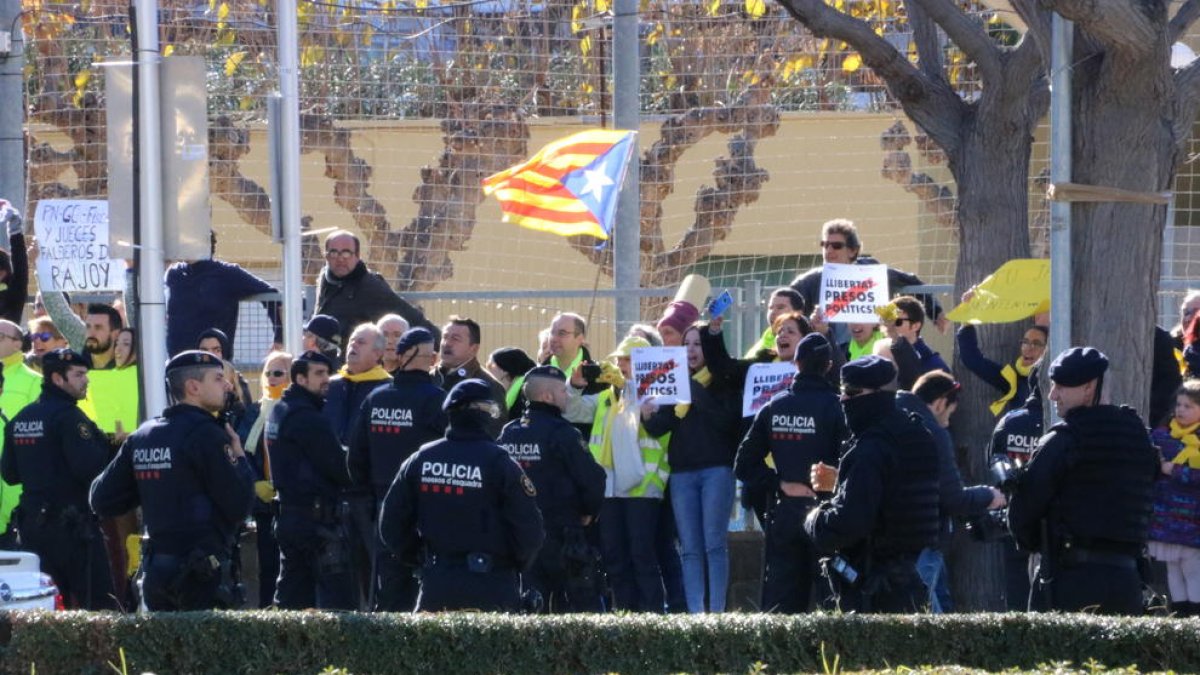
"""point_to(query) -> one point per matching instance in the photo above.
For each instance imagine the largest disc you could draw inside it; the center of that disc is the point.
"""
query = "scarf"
(701, 377)
(574, 364)
(1189, 455)
(376, 373)
(1010, 375)
(514, 390)
(276, 392)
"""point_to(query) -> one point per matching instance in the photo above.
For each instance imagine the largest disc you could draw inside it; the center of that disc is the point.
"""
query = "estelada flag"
(569, 187)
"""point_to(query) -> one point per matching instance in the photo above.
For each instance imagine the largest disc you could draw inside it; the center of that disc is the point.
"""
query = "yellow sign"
(1018, 290)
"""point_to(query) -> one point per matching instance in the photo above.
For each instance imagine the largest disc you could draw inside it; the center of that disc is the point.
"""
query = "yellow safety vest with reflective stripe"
(654, 451)
(112, 395)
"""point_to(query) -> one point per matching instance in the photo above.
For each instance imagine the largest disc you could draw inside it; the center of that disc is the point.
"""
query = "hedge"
(307, 642)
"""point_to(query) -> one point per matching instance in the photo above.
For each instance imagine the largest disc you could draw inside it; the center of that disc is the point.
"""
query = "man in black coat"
(1085, 500)
(884, 509)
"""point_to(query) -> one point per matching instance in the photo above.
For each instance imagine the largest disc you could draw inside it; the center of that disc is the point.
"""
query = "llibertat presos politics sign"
(851, 293)
(661, 374)
(72, 241)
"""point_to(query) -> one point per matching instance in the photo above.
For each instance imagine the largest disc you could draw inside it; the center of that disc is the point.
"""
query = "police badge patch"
(85, 431)
(528, 486)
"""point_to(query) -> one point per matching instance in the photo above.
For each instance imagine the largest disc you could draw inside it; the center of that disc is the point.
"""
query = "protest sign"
(763, 381)
(1017, 290)
(850, 293)
(72, 241)
(661, 373)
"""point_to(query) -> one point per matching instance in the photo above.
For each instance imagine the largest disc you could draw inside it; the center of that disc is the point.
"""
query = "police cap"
(467, 392)
(58, 360)
(549, 372)
(325, 327)
(310, 357)
(1077, 366)
(868, 372)
(193, 358)
(813, 345)
(413, 337)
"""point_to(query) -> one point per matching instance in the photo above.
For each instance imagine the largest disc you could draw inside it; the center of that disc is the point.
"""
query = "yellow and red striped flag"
(569, 187)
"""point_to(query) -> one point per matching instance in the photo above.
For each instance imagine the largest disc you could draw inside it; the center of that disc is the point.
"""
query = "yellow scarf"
(376, 373)
(275, 392)
(703, 378)
(1010, 375)
(1189, 455)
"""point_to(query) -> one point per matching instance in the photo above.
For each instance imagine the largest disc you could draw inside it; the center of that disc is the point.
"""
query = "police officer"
(798, 428)
(884, 509)
(1015, 437)
(309, 467)
(56, 451)
(570, 492)
(395, 421)
(1085, 499)
(195, 487)
(463, 510)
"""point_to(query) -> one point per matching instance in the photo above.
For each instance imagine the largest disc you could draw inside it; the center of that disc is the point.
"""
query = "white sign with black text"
(72, 241)
(850, 293)
(661, 373)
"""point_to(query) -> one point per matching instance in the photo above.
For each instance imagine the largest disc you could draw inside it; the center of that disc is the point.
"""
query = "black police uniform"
(1085, 503)
(309, 467)
(394, 422)
(798, 428)
(56, 451)
(1015, 437)
(884, 509)
(194, 493)
(463, 510)
(570, 486)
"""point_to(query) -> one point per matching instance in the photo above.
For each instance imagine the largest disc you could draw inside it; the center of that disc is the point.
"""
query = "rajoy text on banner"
(763, 381)
(72, 241)
(851, 293)
(661, 373)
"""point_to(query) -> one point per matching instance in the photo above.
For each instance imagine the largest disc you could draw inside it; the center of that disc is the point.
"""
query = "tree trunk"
(1124, 137)
(993, 194)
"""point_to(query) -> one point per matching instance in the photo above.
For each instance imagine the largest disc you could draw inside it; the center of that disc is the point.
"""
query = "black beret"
(60, 359)
(311, 357)
(869, 372)
(191, 359)
(466, 392)
(413, 337)
(813, 345)
(325, 327)
(513, 361)
(1078, 366)
(551, 372)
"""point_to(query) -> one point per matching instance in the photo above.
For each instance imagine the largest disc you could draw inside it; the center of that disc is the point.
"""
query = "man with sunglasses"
(354, 295)
(884, 509)
(840, 244)
(394, 422)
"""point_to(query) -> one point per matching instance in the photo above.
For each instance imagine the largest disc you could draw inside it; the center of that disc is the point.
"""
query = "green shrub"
(307, 642)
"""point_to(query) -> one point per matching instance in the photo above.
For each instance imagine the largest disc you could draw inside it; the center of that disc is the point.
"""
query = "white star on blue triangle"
(598, 184)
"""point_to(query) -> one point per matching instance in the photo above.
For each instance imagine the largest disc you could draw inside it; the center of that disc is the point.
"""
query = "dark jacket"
(446, 379)
(988, 370)
(205, 294)
(394, 421)
(177, 467)
(914, 360)
(363, 296)
(708, 434)
(16, 287)
(307, 460)
(1165, 377)
(345, 400)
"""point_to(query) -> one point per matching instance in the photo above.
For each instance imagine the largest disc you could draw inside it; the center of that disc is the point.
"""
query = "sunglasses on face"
(900, 322)
(41, 337)
(276, 373)
(835, 245)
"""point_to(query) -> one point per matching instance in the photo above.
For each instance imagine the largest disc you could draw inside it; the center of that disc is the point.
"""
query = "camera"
(590, 372)
(993, 525)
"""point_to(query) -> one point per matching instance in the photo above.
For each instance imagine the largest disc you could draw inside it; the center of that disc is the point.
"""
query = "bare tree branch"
(1183, 19)
(1036, 18)
(967, 33)
(929, 47)
(1119, 25)
(931, 104)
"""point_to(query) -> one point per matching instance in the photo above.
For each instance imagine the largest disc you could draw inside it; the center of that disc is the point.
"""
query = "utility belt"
(197, 567)
(56, 516)
(321, 510)
(475, 562)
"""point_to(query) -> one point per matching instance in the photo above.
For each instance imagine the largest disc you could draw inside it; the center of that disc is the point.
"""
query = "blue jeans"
(703, 501)
(931, 567)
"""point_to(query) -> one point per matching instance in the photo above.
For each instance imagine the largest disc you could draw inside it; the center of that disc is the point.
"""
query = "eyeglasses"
(561, 334)
(276, 373)
(851, 392)
(42, 337)
(835, 245)
(339, 253)
(1032, 343)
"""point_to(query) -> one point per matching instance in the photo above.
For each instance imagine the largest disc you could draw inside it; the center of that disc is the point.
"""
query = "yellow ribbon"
(1010, 375)
(703, 378)
(1190, 454)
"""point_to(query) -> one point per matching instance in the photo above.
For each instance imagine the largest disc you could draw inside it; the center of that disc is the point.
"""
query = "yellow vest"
(22, 386)
(112, 396)
(654, 451)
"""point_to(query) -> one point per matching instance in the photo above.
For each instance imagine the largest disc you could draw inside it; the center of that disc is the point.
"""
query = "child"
(1175, 523)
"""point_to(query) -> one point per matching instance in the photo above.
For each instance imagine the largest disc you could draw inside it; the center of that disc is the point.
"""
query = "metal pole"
(626, 115)
(289, 173)
(152, 315)
(1060, 172)
(12, 111)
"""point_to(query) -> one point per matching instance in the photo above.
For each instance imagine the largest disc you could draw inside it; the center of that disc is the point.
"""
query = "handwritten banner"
(763, 381)
(1017, 290)
(661, 373)
(850, 293)
(72, 241)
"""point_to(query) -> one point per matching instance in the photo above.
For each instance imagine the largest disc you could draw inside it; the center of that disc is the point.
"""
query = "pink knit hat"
(679, 315)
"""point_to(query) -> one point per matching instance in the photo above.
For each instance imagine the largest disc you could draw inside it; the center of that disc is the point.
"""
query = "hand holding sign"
(661, 373)
(763, 382)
